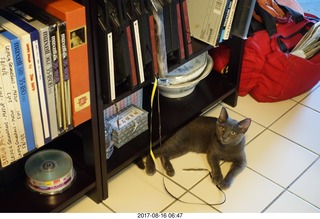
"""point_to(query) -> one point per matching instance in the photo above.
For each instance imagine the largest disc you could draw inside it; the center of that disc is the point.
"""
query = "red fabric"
(268, 74)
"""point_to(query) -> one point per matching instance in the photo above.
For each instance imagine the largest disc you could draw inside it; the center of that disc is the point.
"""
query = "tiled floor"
(282, 174)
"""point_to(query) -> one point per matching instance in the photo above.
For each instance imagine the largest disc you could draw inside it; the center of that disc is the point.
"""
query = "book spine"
(180, 37)
(22, 90)
(66, 74)
(40, 86)
(6, 65)
(5, 158)
(19, 131)
(30, 79)
(223, 22)
(62, 90)
(138, 51)
(186, 27)
(56, 75)
(111, 67)
(6, 146)
(230, 19)
(48, 80)
(134, 78)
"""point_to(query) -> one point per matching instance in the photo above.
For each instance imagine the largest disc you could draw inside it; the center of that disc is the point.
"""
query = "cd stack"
(49, 172)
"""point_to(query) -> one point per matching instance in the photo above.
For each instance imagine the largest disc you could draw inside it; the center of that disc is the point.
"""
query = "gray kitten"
(222, 139)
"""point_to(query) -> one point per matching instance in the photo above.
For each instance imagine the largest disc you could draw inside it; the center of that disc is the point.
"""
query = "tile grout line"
(287, 188)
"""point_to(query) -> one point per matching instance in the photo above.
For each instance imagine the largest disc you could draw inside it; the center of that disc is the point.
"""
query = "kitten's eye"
(222, 128)
(233, 133)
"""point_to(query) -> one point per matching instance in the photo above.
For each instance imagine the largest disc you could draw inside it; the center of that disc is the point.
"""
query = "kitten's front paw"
(150, 171)
(216, 179)
(225, 184)
(170, 171)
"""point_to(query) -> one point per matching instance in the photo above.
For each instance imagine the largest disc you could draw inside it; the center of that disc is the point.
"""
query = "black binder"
(106, 64)
(124, 60)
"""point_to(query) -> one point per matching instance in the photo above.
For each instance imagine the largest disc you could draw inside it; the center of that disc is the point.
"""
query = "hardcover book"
(74, 15)
(32, 90)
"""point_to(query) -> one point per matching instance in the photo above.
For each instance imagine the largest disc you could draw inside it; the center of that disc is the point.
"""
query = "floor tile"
(290, 203)
(87, 205)
(263, 113)
(193, 205)
(187, 179)
(307, 186)
(133, 190)
(313, 100)
(277, 158)
(250, 192)
(301, 125)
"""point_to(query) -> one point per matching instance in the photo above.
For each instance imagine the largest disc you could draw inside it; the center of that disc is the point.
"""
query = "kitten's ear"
(244, 125)
(223, 117)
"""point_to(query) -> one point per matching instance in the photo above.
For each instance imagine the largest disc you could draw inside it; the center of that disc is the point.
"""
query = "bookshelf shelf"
(81, 143)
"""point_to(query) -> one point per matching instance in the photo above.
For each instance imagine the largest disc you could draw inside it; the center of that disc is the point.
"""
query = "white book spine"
(138, 48)
(19, 131)
(6, 149)
(111, 67)
(13, 136)
(41, 90)
(30, 79)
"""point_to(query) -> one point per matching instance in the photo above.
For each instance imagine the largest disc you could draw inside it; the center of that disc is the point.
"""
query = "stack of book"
(44, 83)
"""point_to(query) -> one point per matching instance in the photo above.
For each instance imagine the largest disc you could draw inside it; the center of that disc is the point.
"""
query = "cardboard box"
(128, 124)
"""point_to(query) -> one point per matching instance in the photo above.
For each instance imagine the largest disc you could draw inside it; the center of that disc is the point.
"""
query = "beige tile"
(87, 205)
(290, 203)
(277, 158)
(187, 179)
(313, 100)
(133, 190)
(193, 205)
(263, 113)
(301, 125)
(250, 192)
(307, 186)
(302, 96)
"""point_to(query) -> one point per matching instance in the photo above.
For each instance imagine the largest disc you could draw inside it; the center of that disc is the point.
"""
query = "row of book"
(44, 80)
(215, 21)
(137, 40)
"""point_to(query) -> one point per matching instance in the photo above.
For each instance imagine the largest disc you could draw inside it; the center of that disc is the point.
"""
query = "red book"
(74, 15)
